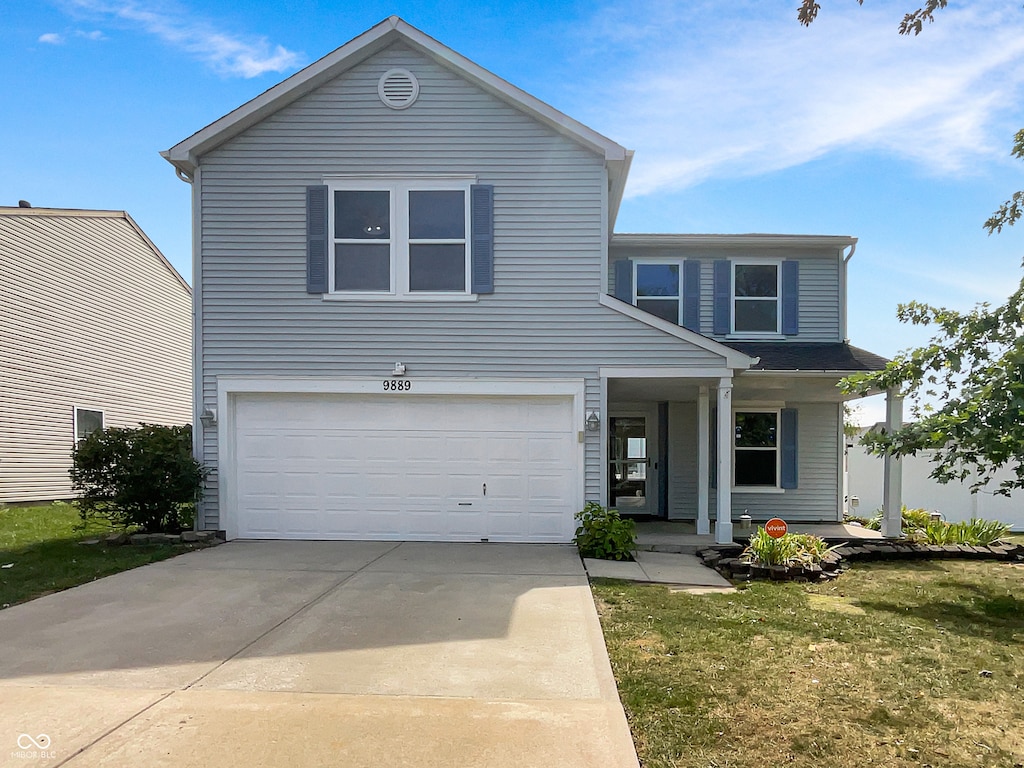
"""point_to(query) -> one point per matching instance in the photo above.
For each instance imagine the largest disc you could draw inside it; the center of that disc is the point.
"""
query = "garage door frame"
(228, 388)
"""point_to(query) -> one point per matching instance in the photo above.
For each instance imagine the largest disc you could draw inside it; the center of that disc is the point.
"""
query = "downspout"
(197, 391)
(843, 298)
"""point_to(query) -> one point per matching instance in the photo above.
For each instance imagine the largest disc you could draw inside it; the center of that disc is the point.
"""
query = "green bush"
(604, 534)
(789, 549)
(144, 477)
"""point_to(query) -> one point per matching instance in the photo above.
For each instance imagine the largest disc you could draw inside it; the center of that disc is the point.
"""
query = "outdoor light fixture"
(208, 416)
(399, 369)
(593, 421)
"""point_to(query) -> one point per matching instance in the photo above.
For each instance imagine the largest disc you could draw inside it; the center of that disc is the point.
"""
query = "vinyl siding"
(818, 467)
(819, 283)
(90, 317)
(543, 320)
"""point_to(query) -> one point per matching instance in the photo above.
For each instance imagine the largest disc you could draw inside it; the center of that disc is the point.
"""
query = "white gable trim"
(733, 358)
(185, 154)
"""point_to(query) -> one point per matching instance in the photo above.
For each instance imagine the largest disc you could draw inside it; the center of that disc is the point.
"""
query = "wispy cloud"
(701, 96)
(225, 52)
(51, 38)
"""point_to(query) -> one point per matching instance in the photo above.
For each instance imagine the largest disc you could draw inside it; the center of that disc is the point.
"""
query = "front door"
(629, 475)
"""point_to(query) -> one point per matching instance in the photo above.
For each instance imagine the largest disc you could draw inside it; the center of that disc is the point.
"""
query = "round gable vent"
(398, 88)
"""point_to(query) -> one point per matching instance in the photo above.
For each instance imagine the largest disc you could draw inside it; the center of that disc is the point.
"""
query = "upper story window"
(756, 290)
(400, 238)
(757, 298)
(658, 289)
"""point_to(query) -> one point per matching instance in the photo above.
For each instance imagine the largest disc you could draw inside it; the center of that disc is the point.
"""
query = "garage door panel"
(401, 467)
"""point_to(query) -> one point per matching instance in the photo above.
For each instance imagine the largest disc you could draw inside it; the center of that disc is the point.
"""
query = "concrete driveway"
(317, 653)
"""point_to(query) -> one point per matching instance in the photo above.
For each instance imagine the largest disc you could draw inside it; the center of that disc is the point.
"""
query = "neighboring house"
(95, 331)
(415, 323)
(953, 500)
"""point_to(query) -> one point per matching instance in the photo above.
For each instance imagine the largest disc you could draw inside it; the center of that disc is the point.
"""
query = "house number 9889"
(397, 385)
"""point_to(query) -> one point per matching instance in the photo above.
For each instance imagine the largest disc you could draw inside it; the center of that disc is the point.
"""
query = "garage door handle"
(465, 503)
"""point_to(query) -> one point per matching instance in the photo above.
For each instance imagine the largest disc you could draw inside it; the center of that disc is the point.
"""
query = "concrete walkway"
(686, 572)
(317, 653)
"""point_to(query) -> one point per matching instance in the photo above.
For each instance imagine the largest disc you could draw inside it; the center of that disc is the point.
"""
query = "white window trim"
(637, 263)
(76, 409)
(399, 240)
(777, 488)
(733, 332)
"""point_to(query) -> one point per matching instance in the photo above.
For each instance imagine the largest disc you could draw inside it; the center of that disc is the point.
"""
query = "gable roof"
(116, 233)
(185, 155)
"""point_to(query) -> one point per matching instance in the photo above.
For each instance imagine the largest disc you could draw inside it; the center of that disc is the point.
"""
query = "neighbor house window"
(400, 238)
(756, 448)
(658, 290)
(756, 288)
(87, 422)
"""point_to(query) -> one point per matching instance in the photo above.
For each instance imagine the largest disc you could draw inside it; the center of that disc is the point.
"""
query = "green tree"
(968, 381)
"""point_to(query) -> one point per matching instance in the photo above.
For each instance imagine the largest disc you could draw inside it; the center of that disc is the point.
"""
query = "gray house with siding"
(414, 321)
(95, 331)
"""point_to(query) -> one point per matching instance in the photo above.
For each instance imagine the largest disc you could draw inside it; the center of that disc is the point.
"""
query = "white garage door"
(408, 467)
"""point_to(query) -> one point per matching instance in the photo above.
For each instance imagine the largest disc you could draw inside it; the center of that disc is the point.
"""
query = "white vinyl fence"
(954, 500)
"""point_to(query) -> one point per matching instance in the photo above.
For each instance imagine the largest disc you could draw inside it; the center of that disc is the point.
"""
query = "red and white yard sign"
(776, 527)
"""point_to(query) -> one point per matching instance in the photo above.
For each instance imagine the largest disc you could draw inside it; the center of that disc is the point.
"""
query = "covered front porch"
(776, 437)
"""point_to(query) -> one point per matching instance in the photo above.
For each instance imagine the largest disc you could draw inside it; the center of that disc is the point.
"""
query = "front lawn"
(894, 664)
(40, 552)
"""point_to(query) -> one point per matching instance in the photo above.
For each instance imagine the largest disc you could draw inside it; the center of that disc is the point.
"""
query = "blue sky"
(742, 120)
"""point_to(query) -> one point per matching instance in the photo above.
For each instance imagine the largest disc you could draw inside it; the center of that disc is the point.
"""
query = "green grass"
(881, 667)
(41, 546)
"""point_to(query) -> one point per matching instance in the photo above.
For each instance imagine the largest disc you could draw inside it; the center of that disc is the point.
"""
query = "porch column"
(723, 523)
(892, 472)
(703, 464)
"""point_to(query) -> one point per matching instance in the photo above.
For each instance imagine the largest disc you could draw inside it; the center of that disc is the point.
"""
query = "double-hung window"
(401, 239)
(87, 421)
(658, 287)
(756, 290)
(756, 449)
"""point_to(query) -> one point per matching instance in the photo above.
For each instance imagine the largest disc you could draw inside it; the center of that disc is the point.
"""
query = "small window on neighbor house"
(757, 449)
(658, 290)
(87, 422)
(755, 298)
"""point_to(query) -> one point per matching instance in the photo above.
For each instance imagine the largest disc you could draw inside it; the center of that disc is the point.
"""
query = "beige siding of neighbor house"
(91, 316)
(550, 198)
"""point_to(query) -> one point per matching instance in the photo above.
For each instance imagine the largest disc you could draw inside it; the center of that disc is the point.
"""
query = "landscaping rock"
(140, 538)
(89, 542)
(115, 539)
(189, 536)
(779, 573)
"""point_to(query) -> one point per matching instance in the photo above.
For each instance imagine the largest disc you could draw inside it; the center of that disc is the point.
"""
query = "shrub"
(976, 532)
(918, 525)
(789, 549)
(143, 477)
(604, 534)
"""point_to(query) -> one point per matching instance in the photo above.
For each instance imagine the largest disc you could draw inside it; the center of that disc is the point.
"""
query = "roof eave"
(639, 239)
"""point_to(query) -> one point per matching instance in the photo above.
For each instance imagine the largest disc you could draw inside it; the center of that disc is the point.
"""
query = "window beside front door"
(756, 449)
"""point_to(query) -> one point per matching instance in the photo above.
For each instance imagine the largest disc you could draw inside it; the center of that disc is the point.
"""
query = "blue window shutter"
(481, 200)
(723, 297)
(713, 464)
(788, 427)
(791, 298)
(316, 239)
(624, 280)
(691, 295)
